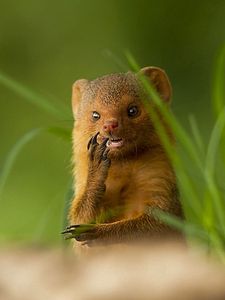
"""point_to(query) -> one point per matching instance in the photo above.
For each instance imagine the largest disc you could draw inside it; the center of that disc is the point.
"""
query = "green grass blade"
(188, 228)
(132, 62)
(218, 92)
(177, 129)
(210, 165)
(215, 139)
(197, 167)
(191, 230)
(43, 220)
(113, 57)
(179, 132)
(190, 203)
(182, 136)
(64, 133)
(197, 135)
(26, 138)
(68, 198)
(33, 97)
(193, 204)
(12, 155)
(216, 199)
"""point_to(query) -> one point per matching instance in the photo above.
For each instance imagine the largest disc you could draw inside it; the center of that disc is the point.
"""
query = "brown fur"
(118, 193)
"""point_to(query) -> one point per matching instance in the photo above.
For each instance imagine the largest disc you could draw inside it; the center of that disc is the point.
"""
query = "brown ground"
(157, 272)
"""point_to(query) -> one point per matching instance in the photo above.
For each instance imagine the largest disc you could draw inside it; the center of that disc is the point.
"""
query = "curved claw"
(77, 229)
(73, 226)
(103, 144)
(93, 140)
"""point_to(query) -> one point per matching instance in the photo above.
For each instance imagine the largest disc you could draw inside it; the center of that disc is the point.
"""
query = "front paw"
(84, 233)
(99, 161)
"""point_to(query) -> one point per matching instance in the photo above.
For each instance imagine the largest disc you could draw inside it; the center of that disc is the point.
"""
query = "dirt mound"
(158, 272)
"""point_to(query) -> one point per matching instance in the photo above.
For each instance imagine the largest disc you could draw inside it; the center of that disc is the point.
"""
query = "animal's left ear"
(160, 81)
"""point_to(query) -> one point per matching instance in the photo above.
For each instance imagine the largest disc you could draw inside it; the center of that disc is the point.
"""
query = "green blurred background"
(47, 45)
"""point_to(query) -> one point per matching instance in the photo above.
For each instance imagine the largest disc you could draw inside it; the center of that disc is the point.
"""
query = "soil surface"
(165, 271)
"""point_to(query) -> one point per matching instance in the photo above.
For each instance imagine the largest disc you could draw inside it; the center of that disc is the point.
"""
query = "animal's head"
(113, 106)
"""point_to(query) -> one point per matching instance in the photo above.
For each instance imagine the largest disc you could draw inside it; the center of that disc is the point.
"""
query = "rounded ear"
(160, 82)
(77, 91)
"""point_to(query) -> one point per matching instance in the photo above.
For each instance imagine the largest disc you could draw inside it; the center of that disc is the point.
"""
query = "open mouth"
(114, 143)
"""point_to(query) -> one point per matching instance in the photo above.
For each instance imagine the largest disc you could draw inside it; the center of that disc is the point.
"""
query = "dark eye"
(95, 116)
(132, 111)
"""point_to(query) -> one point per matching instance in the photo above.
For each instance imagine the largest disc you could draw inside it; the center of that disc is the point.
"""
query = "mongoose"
(121, 170)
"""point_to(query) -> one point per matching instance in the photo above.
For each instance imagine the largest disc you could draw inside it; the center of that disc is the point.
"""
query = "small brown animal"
(121, 169)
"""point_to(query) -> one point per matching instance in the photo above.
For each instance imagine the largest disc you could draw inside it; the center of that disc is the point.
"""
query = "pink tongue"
(114, 144)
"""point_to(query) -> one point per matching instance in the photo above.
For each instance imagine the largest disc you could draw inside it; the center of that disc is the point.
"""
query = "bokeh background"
(47, 45)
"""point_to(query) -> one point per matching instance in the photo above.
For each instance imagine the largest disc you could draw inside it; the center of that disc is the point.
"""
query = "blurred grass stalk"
(202, 197)
(12, 155)
(57, 109)
(63, 133)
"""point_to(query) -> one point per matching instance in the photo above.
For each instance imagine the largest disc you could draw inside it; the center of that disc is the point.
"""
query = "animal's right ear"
(160, 81)
(77, 90)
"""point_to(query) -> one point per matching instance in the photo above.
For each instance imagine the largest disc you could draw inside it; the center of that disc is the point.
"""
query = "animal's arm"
(124, 230)
(146, 224)
(84, 207)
